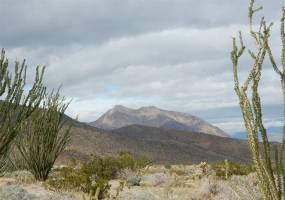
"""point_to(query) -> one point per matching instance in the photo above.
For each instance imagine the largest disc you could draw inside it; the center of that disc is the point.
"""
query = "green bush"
(167, 166)
(15, 104)
(133, 181)
(92, 175)
(233, 169)
(129, 161)
(178, 172)
(87, 176)
(44, 136)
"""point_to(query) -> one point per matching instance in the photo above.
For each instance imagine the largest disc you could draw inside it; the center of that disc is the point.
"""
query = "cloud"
(61, 22)
(171, 54)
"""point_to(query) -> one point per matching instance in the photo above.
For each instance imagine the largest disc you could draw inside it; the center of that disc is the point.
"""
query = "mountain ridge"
(120, 116)
(161, 145)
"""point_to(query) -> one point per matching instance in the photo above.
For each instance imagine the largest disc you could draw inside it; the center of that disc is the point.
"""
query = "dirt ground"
(189, 182)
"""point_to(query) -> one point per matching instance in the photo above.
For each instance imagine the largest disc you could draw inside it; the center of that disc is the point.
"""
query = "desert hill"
(160, 144)
(151, 116)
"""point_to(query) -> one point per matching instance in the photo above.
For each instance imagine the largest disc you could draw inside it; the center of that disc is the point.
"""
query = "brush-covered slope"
(159, 144)
(121, 116)
(173, 146)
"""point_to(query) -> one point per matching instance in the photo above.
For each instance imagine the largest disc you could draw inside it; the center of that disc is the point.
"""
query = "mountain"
(173, 146)
(275, 134)
(161, 145)
(121, 116)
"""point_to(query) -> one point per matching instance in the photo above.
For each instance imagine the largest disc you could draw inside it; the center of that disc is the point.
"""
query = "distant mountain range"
(151, 116)
(274, 134)
(165, 137)
(161, 145)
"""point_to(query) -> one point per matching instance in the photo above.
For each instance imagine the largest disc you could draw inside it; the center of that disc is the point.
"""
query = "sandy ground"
(157, 183)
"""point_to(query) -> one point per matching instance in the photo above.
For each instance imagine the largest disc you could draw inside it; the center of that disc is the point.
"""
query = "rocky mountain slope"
(121, 116)
(163, 145)
(159, 144)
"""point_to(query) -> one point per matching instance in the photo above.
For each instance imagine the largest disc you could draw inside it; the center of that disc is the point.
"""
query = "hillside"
(160, 144)
(121, 116)
(168, 145)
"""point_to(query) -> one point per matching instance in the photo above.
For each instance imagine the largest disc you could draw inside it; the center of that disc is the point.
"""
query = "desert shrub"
(87, 177)
(43, 136)
(167, 166)
(15, 105)
(133, 181)
(156, 179)
(125, 173)
(129, 161)
(91, 176)
(213, 189)
(233, 168)
(179, 171)
(15, 161)
(105, 168)
(204, 167)
(23, 176)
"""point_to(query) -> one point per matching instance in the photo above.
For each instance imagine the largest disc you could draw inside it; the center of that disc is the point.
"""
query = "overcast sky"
(173, 54)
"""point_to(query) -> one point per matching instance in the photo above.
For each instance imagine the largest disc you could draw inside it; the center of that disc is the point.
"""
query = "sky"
(171, 54)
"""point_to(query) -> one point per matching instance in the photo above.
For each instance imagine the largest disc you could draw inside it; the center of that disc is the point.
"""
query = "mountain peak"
(121, 116)
(120, 107)
(145, 108)
(150, 107)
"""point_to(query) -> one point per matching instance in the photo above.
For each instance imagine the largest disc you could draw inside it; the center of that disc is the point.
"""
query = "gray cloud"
(61, 22)
(171, 54)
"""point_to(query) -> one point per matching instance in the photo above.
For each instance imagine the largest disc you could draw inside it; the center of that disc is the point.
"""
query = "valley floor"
(191, 182)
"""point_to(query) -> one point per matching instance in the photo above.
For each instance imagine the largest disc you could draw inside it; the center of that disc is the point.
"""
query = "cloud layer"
(171, 54)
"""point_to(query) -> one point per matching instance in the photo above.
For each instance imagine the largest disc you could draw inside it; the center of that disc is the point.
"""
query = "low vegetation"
(43, 136)
(77, 181)
(93, 175)
(16, 104)
(33, 134)
(31, 121)
(227, 169)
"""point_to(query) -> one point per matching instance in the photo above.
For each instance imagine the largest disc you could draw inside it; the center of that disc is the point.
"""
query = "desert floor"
(184, 182)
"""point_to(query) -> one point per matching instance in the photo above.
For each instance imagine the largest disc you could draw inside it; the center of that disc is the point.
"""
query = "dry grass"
(191, 182)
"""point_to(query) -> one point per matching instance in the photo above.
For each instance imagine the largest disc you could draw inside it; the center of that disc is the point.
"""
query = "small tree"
(44, 136)
(14, 106)
(272, 184)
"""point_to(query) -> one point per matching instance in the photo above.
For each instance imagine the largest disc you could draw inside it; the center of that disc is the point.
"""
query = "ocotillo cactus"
(271, 187)
(14, 106)
(44, 136)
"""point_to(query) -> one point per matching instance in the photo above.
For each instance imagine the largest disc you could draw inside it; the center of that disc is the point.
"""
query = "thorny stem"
(272, 188)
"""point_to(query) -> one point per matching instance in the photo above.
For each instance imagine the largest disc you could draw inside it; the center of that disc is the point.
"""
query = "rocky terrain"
(179, 182)
(159, 144)
(163, 145)
(121, 116)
